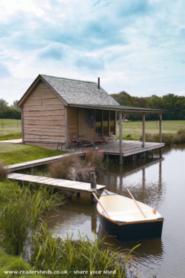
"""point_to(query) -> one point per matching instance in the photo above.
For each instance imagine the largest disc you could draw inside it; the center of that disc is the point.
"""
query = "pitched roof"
(79, 92)
(73, 91)
(82, 94)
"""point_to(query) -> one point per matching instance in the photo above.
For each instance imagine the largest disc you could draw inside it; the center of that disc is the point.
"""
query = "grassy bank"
(10, 129)
(82, 255)
(15, 153)
(22, 211)
(12, 263)
(168, 138)
(20, 231)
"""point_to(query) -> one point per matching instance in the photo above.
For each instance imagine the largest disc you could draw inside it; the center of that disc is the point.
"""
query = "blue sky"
(134, 45)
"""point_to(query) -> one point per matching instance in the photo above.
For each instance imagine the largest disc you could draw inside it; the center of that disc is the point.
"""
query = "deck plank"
(59, 183)
(130, 147)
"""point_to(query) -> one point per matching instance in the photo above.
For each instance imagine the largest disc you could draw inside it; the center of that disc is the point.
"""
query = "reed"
(73, 255)
(94, 158)
(179, 137)
(13, 263)
(64, 169)
(21, 210)
(75, 168)
(168, 138)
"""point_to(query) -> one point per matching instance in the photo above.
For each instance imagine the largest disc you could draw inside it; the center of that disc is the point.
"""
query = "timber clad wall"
(50, 119)
(44, 117)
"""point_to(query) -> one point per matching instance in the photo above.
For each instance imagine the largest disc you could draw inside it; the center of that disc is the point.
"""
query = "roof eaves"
(119, 108)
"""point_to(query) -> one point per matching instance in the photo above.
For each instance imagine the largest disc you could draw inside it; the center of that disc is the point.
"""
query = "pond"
(160, 184)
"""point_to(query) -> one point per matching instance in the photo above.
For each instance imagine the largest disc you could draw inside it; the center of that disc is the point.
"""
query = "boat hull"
(132, 231)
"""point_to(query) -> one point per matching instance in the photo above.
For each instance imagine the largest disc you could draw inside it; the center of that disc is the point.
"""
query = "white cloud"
(138, 48)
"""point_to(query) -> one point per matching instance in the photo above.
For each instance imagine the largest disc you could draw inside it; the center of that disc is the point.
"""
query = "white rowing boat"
(127, 218)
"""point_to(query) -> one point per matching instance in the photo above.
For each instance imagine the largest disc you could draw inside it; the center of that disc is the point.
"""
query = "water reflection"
(80, 218)
(145, 181)
(160, 184)
(76, 220)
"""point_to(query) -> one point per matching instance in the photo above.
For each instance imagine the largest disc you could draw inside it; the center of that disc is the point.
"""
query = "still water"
(160, 184)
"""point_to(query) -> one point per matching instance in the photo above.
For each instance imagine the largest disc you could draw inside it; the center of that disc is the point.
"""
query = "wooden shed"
(60, 112)
(57, 110)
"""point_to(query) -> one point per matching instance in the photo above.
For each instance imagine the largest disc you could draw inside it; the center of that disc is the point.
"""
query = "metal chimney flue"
(98, 82)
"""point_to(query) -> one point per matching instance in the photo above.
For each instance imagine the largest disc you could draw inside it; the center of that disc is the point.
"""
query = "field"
(133, 130)
(10, 129)
(15, 153)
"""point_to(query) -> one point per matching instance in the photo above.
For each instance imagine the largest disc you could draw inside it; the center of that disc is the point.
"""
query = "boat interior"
(123, 209)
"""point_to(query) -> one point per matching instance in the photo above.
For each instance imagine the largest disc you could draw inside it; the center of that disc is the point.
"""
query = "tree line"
(173, 105)
(9, 111)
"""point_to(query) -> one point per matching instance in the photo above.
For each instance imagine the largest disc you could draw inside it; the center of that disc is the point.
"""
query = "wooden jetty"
(75, 186)
(39, 162)
(129, 148)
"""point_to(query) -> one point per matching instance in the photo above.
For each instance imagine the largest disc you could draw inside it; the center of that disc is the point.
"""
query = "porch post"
(115, 123)
(120, 139)
(143, 131)
(160, 128)
(109, 122)
(101, 122)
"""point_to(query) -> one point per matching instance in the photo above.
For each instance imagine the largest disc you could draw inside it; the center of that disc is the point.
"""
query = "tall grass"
(66, 168)
(75, 169)
(10, 263)
(94, 158)
(13, 263)
(168, 138)
(21, 216)
(20, 212)
(73, 255)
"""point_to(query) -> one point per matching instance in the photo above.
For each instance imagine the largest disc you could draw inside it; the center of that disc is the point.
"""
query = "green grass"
(10, 136)
(69, 255)
(133, 129)
(15, 153)
(16, 226)
(12, 263)
(48, 253)
(10, 129)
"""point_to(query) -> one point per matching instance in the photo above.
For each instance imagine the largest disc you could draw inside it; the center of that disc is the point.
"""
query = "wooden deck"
(129, 148)
(69, 185)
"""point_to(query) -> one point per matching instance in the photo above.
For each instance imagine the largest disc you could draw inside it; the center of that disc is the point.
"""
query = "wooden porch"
(129, 148)
(105, 121)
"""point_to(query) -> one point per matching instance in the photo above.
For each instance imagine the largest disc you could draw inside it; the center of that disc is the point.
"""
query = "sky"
(136, 45)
